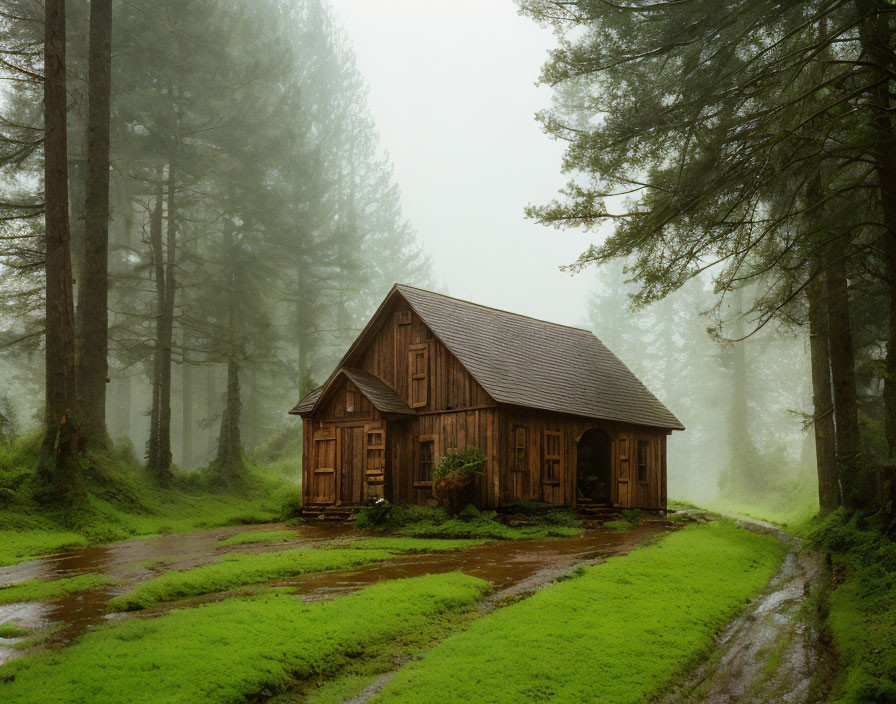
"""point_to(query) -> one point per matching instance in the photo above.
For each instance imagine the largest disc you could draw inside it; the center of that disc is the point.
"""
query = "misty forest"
(274, 427)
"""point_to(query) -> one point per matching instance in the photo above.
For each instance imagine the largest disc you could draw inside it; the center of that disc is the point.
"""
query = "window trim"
(546, 458)
(413, 351)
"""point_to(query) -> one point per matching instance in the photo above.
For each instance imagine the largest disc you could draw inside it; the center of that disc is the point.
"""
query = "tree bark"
(229, 465)
(93, 290)
(823, 422)
(58, 467)
(846, 412)
(153, 449)
(167, 336)
(875, 37)
(186, 411)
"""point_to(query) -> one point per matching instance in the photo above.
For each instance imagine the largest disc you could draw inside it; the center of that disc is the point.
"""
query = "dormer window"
(418, 376)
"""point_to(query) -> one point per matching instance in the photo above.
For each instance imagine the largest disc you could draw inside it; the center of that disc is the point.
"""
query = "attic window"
(550, 469)
(418, 375)
(403, 317)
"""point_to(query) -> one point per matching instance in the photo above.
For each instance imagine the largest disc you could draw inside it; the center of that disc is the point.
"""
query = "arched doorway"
(593, 467)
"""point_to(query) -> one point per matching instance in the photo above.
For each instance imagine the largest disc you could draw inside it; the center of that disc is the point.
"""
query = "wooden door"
(323, 475)
(623, 471)
(351, 464)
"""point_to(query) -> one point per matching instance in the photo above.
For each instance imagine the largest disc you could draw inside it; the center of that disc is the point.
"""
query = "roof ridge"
(492, 308)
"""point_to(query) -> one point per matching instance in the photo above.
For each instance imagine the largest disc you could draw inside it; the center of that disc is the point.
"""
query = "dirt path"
(513, 567)
(772, 653)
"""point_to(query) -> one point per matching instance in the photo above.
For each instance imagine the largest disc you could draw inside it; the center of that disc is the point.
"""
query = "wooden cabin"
(560, 418)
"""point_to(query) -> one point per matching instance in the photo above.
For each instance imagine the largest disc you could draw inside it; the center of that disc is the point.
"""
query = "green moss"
(235, 650)
(239, 570)
(260, 536)
(36, 590)
(10, 630)
(400, 545)
(861, 610)
(658, 607)
(617, 526)
(123, 502)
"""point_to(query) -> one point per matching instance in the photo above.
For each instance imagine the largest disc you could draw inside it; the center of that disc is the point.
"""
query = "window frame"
(518, 446)
(419, 441)
(413, 351)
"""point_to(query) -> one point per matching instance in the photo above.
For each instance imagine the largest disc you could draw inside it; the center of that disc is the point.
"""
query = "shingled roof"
(526, 362)
(382, 396)
(537, 364)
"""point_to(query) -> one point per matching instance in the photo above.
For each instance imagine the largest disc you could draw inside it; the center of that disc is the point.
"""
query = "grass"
(239, 570)
(123, 502)
(10, 630)
(260, 536)
(235, 650)
(533, 521)
(619, 633)
(862, 609)
(36, 590)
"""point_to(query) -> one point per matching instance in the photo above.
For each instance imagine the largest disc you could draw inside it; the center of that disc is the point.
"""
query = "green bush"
(460, 466)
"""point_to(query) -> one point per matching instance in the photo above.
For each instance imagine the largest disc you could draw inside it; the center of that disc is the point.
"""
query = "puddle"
(512, 567)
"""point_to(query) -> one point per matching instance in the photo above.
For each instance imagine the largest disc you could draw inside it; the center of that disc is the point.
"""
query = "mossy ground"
(577, 641)
(862, 609)
(10, 630)
(123, 502)
(259, 536)
(238, 570)
(37, 590)
(236, 650)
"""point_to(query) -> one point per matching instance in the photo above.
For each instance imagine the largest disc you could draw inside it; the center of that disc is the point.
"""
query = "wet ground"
(772, 653)
(513, 567)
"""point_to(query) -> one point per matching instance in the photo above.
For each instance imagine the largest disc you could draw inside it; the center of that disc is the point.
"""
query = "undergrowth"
(236, 650)
(658, 607)
(123, 502)
(471, 523)
(861, 609)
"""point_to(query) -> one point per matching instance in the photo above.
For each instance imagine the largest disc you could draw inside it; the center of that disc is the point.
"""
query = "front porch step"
(330, 513)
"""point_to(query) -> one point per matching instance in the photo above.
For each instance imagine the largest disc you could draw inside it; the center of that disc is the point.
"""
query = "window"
(418, 372)
(403, 317)
(425, 459)
(643, 446)
(351, 399)
(520, 449)
(550, 471)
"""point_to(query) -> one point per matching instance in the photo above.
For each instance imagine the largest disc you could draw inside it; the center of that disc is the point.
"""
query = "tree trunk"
(740, 428)
(186, 412)
(153, 449)
(875, 37)
(229, 466)
(212, 403)
(58, 467)
(93, 290)
(123, 407)
(167, 337)
(846, 413)
(823, 402)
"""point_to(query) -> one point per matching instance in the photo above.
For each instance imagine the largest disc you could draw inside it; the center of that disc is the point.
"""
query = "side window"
(520, 449)
(550, 470)
(643, 446)
(418, 372)
(424, 460)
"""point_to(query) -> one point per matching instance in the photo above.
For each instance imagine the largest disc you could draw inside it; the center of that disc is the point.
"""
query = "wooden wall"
(627, 491)
(450, 385)
(454, 431)
(342, 396)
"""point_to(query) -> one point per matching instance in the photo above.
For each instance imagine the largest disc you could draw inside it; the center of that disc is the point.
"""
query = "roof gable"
(383, 397)
(537, 364)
